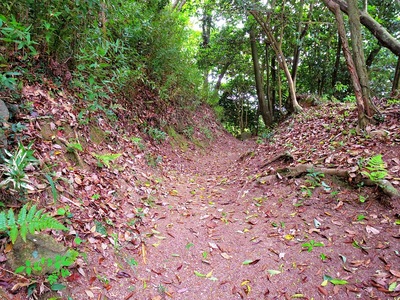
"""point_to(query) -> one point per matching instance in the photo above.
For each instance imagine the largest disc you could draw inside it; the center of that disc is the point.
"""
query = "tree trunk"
(358, 56)
(337, 62)
(382, 35)
(221, 75)
(334, 7)
(294, 105)
(270, 100)
(302, 33)
(265, 113)
(396, 80)
(273, 83)
(372, 56)
(206, 23)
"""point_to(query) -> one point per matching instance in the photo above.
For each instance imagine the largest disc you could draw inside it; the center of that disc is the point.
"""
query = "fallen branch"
(385, 185)
(299, 170)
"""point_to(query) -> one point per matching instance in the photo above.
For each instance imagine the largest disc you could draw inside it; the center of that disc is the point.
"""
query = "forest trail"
(217, 231)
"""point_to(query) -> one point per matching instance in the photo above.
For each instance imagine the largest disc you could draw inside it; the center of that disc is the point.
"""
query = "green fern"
(375, 168)
(27, 221)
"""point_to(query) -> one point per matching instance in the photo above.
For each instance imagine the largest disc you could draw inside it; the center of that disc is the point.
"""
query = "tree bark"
(265, 113)
(294, 105)
(337, 62)
(334, 7)
(396, 80)
(380, 32)
(358, 55)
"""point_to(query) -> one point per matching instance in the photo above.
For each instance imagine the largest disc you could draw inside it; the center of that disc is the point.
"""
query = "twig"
(15, 274)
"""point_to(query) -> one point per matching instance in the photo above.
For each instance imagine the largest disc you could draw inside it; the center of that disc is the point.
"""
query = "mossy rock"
(35, 248)
(97, 135)
(177, 140)
(46, 132)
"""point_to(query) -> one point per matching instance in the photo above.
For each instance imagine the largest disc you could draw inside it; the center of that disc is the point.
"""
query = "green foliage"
(393, 101)
(8, 80)
(311, 244)
(17, 36)
(106, 159)
(314, 178)
(27, 221)
(14, 169)
(53, 187)
(59, 264)
(375, 169)
(156, 134)
(73, 147)
(138, 141)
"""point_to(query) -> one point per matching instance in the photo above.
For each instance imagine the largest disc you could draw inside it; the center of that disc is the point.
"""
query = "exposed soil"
(218, 222)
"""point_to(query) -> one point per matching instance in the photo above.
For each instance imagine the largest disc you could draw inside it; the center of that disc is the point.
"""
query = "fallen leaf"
(274, 272)
(89, 293)
(225, 255)
(372, 230)
(395, 273)
(199, 274)
(323, 291)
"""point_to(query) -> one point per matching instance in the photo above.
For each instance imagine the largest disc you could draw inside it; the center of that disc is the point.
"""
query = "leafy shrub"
(14, 169)
(27, 221)
(156, 134)
(106, 159)
(17, 36)
(375, 169)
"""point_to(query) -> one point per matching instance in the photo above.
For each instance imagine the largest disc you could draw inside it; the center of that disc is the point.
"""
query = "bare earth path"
(218, 233)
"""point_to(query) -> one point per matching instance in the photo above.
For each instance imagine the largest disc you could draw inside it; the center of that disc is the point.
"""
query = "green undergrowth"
(177, 141)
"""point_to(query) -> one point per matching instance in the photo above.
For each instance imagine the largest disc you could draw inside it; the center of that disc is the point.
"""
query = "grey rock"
(35, 248)
(4, 113)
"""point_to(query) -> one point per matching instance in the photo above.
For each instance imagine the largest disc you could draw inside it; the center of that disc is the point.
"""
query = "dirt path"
(216, 233)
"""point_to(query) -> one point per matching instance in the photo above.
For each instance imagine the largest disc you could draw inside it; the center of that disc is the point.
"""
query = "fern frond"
(22, 215)
(28, 221)
(376, 160)
(3, 222)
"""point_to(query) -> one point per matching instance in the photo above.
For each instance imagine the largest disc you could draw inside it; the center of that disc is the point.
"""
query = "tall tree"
(383, 36)
(262, 104)
(365, 108)
(277, 46)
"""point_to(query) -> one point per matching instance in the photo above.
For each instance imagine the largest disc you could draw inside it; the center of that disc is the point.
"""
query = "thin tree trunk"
(267, 69)
(334, 7)
(273, 83)
(302, 33)
(337, 61)
(266, 115)
(372, 56)
(294, 105)
(396, 80)
(221, 75)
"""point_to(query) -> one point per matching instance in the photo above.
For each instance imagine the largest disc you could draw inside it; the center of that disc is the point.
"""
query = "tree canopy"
(246, 58)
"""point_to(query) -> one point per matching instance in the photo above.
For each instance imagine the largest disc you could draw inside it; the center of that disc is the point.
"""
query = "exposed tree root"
(385, 185)
(284, 157)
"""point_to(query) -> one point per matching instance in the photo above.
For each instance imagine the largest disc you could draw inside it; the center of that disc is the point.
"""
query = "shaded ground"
(212, 223)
